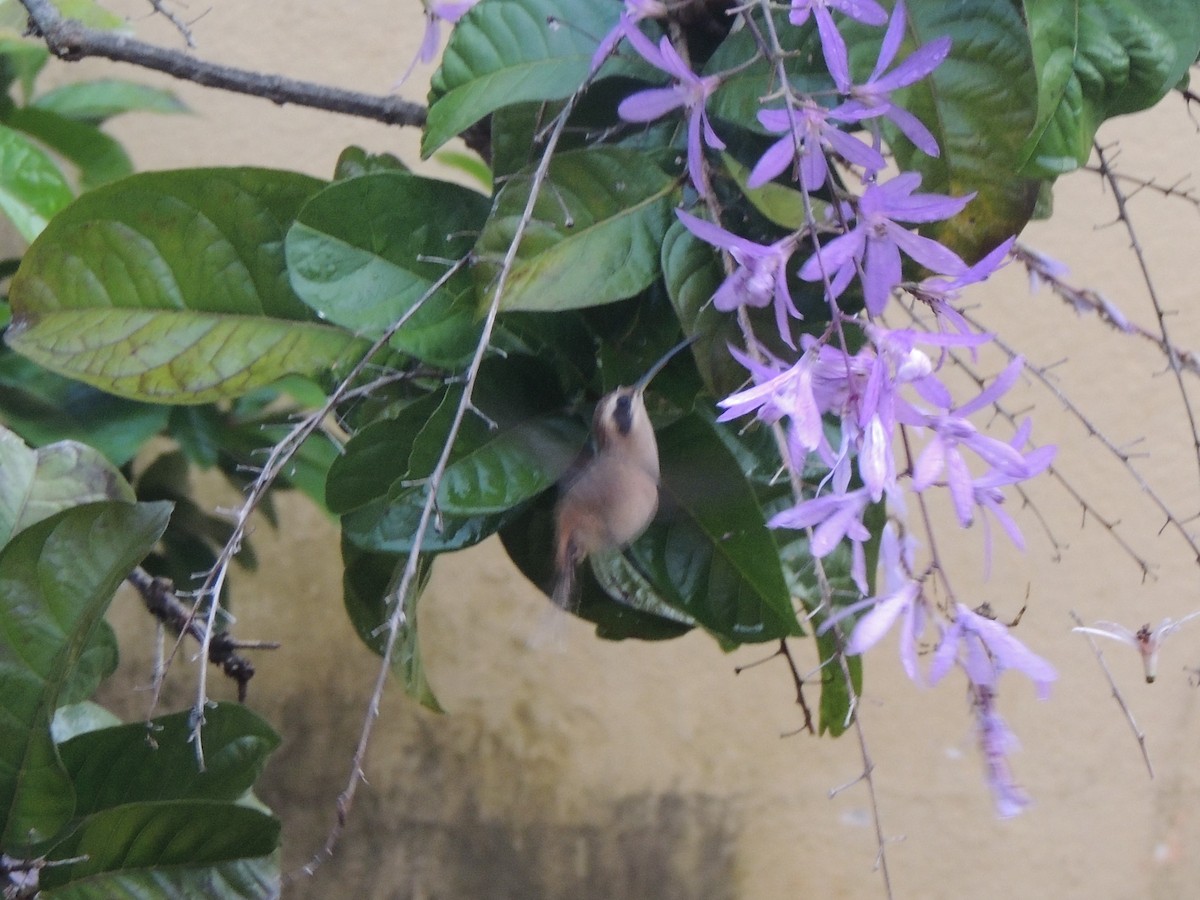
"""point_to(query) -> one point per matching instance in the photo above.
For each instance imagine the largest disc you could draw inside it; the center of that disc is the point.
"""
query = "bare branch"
(71, 40)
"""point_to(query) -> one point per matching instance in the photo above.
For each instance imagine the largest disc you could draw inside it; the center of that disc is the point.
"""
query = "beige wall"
(628, 770)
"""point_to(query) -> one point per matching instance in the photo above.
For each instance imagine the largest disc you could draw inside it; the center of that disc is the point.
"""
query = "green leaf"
(511, 51)
(156, 761)
(100, 159)
(594, 238)
(493, 471)
(172, 287)
(56, 580)
(44, 407)
(189, 848)
(979, 104)
(354, 162)
(369, 582)
(39, 483)
(32, 189)
(1095, 59)
(711, 554)
(364, 250)
(20, 60)
(95, 101)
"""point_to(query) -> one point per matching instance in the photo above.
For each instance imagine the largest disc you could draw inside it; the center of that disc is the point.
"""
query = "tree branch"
(70, 40)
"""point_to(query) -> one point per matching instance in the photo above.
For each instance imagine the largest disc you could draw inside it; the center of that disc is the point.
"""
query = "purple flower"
(953, 430)
(761, 274)
(996, 741)
(876, 240)
(807, 135)
(1144, 641)
(634, 12)
(946, 289)
(984, 648)
(833, 46)
(899, 601)
(989, 497)
(690, 92)
(832, 517)
(872, 99)
(780, 392)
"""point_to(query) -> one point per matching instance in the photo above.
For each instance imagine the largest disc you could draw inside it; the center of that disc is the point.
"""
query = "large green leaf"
(32, 189)
(171, 286)
(39, 483)
(134, 763)
(711, 554)
(56, 580)
(364, 250)
(595, 235)
(369, 583)
(1100, 58)
(511, 51)
(190, 848)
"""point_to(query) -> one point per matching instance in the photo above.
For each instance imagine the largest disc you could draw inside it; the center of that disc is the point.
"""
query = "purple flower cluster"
(888, 387)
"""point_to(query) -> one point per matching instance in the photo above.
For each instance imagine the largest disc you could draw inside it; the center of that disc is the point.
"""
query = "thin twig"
(181, 26)
(1116, 693)
(71, 40)
(1174, 191)
(400, 597)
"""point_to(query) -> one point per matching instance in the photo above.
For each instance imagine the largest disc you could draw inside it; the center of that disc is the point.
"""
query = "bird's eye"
(623, 413)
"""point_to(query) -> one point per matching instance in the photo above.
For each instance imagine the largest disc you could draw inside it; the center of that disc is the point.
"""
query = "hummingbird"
(613, 498)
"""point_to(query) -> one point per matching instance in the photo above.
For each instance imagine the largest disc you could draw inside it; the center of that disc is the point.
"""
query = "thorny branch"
(70, 40)
(159, 597)
(399, 600)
